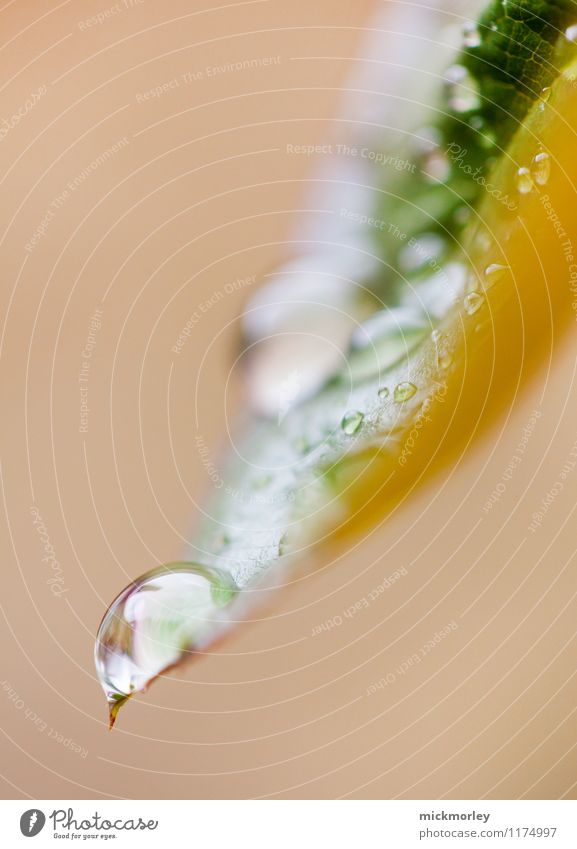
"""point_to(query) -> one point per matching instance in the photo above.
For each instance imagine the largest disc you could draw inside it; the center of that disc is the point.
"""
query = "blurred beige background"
(142, 207)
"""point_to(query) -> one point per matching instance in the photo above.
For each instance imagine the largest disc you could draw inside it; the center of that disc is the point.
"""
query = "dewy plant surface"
(492, 200)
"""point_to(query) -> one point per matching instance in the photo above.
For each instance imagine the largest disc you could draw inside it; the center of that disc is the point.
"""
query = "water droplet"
(494, 27)
(544, 97)
(483, 240)
(472, 302)
(485, 135)
(384, 392)
(541, 168)
(571, 33)
(427, 404)
(444, 356)
(437, 167)
(351, 422)
(494, 272)
(471, 36)
(404, 391)
(154, 622)
(524, 181)
(462, 89)
(425, 140)
(462, 215)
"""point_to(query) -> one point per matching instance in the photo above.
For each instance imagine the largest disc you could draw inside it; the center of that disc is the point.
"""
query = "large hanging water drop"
(154, 622)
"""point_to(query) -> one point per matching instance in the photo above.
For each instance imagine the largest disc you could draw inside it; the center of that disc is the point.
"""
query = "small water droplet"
(351, 422)
(483, 240)
(444, 356)
(404, 391)
(541, 168)
(524, 181)
(494, 27)
(154, 622)
(486, 137)
(425, 140)
(494, 272)
(437, 167)
(471, 36)
(384, 392)
(544, 97)
(462, 89)
(571, 33)
(472, 302)
(462, 215)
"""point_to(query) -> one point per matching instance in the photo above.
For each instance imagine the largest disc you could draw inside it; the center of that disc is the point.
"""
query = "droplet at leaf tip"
(114, 705)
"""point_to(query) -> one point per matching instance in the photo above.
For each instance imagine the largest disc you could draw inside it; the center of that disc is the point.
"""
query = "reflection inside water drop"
(153, 622)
